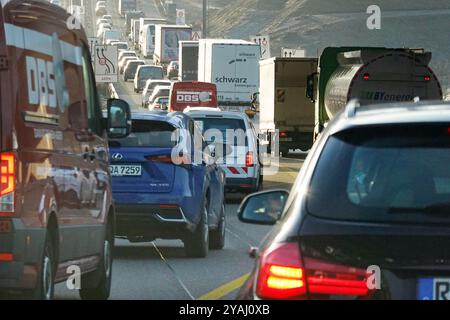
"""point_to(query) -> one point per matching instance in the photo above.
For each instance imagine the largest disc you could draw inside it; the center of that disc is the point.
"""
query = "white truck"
(233, 66)
(134, 35)
(283, 104)
(147, 21)
(188, 66)
(167, 38)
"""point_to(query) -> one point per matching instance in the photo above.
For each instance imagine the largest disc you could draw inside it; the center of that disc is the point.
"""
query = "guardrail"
(112, 91)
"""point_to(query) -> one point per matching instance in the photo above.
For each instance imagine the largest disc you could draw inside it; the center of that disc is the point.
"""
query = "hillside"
(315, 24)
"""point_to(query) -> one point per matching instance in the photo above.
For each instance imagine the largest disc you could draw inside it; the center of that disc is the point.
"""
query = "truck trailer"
(284, 107)
(167, 38)
(233, 65)
(127, 6)
(372, 75)
(188, 66)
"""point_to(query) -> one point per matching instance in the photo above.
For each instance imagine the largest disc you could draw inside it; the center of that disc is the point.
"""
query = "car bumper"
(151, 221)
(241, 184)
(26, 247)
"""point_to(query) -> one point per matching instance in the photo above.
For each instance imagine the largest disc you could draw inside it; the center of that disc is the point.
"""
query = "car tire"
(97, 284)
(217, 236)
(284, 151)
(45, 287)
(196, 244)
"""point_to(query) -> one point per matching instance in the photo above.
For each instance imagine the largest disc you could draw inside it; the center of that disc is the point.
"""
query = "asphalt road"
(160, 270)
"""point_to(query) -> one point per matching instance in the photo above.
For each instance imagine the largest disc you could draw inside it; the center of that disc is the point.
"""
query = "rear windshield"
(147, 134)
(384, 174)
(151, 73)
(222, 124)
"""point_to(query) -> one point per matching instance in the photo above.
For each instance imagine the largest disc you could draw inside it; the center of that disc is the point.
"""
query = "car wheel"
(217, 236)
(284, 151)
(45, 288)
(97, 284)
(196, 245)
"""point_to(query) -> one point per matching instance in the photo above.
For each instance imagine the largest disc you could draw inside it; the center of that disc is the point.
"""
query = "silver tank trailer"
(381, 76)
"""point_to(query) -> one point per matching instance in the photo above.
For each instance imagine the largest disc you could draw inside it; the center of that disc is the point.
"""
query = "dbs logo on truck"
(41, 82)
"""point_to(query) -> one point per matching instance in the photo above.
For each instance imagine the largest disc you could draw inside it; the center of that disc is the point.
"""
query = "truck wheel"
(45, 288)
(196, 244)
(217, 236)
(97, 284)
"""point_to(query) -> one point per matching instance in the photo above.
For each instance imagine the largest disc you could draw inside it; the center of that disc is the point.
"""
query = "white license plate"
(434, 289)
(125, 170)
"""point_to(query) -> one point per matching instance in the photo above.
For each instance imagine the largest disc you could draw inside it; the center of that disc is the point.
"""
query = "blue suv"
(160, 188)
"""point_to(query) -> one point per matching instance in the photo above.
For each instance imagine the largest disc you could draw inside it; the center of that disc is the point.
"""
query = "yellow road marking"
(225, 289)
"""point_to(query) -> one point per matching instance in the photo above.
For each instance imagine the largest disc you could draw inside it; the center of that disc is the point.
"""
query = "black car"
(369, 214)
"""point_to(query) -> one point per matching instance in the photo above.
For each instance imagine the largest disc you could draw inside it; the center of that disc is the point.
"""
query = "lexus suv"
(165, 188)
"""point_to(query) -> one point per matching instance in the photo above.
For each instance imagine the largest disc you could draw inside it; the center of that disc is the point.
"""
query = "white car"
(150, 85)
(160, 103)
(108, 17)
(159, 91)
(238, 158)
(147, 72)
(121, 45)
(102, 31)
(100, 21)
(126, 53)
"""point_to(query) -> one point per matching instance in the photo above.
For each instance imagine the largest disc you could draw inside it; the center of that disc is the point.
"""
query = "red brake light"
(283, 275)
(366, 76)
(7, 173)
(7, 182)
(6, 257)
(427, 78)
(249, 161)
(180, 160)
(283, 134)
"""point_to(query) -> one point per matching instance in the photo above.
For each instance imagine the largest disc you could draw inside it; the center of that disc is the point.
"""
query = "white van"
(240, 158)
(147, 44)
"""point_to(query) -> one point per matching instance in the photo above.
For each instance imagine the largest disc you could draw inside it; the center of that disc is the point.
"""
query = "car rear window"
(222, 124)
(151, 73)
(147, 134)
(394, 173)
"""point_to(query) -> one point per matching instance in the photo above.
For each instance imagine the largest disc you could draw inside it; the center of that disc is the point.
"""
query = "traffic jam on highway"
(143, 160)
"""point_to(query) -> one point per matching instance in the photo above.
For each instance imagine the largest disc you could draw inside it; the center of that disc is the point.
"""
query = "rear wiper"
(437, 208)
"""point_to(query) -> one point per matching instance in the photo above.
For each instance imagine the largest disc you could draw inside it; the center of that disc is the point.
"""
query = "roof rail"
(350, 109)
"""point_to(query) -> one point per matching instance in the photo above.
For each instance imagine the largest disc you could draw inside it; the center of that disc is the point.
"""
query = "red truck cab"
(56, 206)
(192, 94)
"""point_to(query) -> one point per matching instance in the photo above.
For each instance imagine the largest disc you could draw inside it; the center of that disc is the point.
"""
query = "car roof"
(158, 80)
(150, 65)
(390, 113)
(202, 112)
(176, 118)
(135, 61)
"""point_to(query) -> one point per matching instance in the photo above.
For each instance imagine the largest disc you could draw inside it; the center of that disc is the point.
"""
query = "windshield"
(226, 127)
(151, 73)
(384, 174)
(146, 133)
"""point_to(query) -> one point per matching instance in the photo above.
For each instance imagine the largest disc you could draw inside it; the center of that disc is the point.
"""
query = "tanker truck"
(372, 75)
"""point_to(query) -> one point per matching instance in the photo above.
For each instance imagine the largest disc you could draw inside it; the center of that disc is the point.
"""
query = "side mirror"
(264, 207)
(119, 119)
(311, 86)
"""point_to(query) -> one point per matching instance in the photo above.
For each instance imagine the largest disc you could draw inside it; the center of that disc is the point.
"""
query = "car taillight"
(284, 275)
(179, 160)
(249, 161)
(281, 275)
(7, 182)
